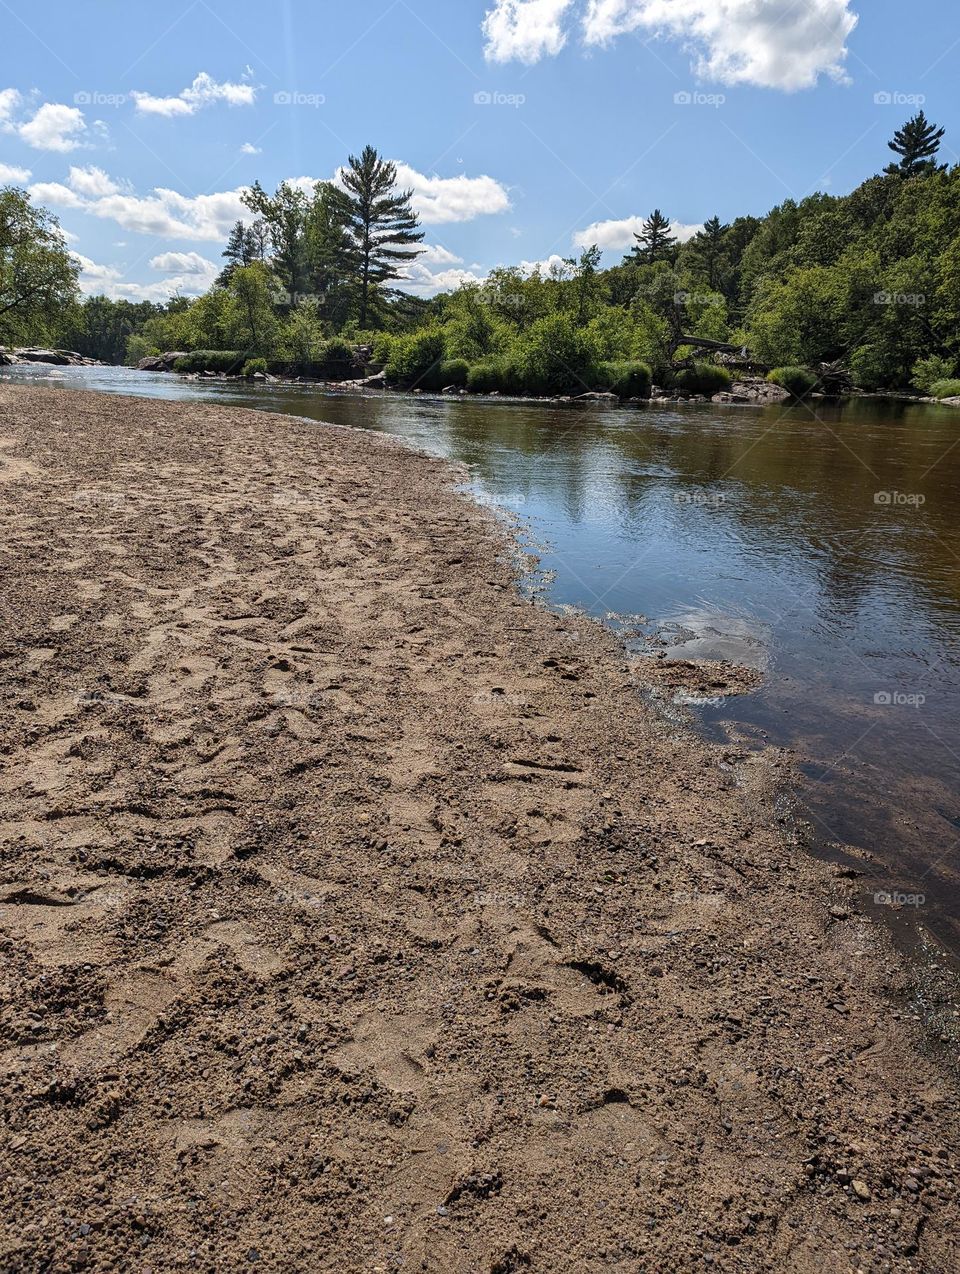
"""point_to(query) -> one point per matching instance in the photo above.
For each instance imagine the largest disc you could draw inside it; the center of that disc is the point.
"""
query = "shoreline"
(398, 902)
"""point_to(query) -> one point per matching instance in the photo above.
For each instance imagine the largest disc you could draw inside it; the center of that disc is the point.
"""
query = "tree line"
(870, 280)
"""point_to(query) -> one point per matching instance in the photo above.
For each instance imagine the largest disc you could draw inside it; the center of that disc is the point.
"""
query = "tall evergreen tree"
(331, 252)
(244, 246)
(917, 143)
(710, 245)
(654, 242)
(380, 223)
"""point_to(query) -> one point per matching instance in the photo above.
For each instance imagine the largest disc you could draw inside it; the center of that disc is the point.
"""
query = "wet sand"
(358, 915)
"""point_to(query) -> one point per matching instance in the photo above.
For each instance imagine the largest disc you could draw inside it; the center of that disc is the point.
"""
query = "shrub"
(210, 360)
(454, 371)
(626, 380)
(336, 360)
(928, 372)
(556, 357)
(796, 380)
(254, 365)
(702, 378)
(946, 389)
(870, 367)
(495, 374)
(383, 344)
(415, 359)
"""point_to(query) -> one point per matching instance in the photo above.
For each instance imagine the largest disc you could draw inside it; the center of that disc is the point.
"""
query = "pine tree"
(245, 245)
(710, 243)
(917, 143)
(381, 225)
(331, 253)
(654, 243)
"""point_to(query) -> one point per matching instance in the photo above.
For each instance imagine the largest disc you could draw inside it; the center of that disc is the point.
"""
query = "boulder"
(596, 397)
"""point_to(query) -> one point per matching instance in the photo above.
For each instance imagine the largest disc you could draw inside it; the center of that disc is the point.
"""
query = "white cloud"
(778, 44)
(248, 148)
(440, 200)
(196, 275)
(9, 101)
(436, 254)
(420, 280)
(54, 127)
(204, 91)
(9, 173)
(552, 262)
(183, 263)
(525, 30)
(620, 234)
(95, 278)
(44, 192)
(92, 181)
(770, 43)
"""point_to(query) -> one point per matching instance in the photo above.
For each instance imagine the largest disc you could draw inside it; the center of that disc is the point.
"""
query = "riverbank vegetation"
(865, 285)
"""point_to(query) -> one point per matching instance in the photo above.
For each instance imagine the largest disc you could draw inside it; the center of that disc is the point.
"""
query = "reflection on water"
(823, 548)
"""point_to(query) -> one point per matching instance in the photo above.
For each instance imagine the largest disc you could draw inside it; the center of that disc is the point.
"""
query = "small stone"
(861, 1190)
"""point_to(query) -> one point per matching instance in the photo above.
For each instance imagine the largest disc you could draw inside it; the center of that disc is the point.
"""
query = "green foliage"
(254, 365)
(138, 348)
(927, 372)
(555, 357)
(626, 380)
(211, 360)
(798, 381)
(870, 368)
(702, 378)
(497, 375)
(945, 389)
(38, 275)
(454, 371)
(415, 359)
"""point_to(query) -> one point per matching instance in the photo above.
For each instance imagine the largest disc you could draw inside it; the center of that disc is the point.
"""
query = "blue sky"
(526, 127)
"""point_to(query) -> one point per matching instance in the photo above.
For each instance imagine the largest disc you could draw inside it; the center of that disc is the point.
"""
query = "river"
(820, 544)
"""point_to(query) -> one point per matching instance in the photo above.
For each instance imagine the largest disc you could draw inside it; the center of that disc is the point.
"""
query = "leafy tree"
(380, 223)
(585, 281)
(38, 276)
(654, 242)
(917, 144)
(252, 324)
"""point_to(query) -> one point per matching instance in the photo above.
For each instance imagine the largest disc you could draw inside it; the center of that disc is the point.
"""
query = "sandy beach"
(357, 914)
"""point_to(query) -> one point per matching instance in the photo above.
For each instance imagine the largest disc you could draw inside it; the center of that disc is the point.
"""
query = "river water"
(820, 544)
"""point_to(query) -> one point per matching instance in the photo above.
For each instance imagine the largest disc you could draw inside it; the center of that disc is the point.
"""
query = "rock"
(839, 913)
(596, 397)
(861, 1190)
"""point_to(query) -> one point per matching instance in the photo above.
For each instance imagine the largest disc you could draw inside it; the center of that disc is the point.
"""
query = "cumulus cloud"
(92, 181)
(440, 200)
(9, 101)
(194, 277)
(204, 91)
(620, 234)
(437, 254)
(183, 263)
(768, 43)
(525, 30)
(248, 148)
(420, 280)
(44, 192)
(54, 127)
(10, 173)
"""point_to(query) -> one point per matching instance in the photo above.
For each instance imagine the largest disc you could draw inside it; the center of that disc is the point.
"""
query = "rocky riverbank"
(359, 915)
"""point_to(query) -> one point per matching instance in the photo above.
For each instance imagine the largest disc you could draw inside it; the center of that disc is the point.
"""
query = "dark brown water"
(822, 546)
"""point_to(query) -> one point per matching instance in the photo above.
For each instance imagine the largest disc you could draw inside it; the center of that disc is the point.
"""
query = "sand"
(357, 914)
